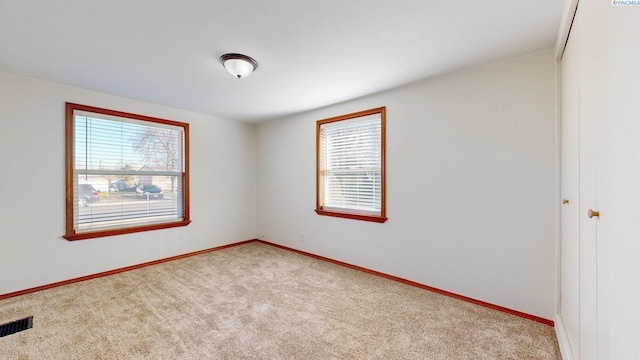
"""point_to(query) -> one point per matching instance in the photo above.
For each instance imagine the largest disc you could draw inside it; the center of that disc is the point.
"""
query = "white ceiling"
(311, 53)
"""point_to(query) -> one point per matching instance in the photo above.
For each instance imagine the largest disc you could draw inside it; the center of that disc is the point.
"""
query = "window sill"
(372, 218)
(112, 232)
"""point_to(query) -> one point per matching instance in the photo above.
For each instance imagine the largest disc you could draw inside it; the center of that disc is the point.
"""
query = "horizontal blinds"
(350, 164)
(126, 173)
(102, 144)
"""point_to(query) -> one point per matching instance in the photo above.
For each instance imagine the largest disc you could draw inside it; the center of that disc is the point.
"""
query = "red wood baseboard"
(418, 285)
(116, 271)
(359, 268)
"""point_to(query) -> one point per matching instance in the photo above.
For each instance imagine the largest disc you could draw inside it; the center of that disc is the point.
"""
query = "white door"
(570, 223)
(582, 86)
(592, 88)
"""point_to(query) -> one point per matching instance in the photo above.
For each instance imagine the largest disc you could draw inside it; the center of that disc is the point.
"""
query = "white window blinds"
(350, 165)
(126, 172)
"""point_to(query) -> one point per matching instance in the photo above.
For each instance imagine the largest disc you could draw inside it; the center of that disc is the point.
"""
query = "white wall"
(471, 184)
(32, 251)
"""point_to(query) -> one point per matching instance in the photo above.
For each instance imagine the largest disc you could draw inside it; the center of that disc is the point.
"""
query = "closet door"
(570, 217)
(583, 82)
(592, 87)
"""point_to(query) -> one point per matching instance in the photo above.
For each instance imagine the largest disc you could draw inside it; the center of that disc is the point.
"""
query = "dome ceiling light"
(238, 65)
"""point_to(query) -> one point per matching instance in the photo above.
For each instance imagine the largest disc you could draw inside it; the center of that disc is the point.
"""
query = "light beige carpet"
(257, 301)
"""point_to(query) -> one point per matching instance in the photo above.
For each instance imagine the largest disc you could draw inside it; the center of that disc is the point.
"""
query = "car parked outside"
(118, 185)
(149, 191)
(87, 194)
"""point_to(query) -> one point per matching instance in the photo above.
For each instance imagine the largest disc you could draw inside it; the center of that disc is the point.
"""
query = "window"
(125, 173)
(350, 166)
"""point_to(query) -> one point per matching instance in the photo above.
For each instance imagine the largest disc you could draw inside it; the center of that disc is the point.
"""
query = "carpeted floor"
(256, 301)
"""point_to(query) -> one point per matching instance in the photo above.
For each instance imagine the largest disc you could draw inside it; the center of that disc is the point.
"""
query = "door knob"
(593, 213)
(565, 201)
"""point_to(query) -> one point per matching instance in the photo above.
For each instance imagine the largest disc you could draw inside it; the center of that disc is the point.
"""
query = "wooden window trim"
(350, 215)
(70, 233)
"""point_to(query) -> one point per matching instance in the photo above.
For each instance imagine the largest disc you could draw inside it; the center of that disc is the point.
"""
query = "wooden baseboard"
(421, 286)
(359, 268)
(116, 271)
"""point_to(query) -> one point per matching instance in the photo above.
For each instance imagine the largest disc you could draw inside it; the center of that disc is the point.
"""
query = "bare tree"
(129, 181)
(159, 148)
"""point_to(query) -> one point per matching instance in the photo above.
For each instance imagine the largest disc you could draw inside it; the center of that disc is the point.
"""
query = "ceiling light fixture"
(238, 65)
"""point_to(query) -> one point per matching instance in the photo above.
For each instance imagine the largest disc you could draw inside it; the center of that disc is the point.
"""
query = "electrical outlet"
(301, 237)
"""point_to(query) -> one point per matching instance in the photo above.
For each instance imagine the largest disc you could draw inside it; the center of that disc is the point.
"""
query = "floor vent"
(16, 326)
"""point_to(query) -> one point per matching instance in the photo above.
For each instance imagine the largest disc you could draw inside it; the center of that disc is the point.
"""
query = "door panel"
(570, 221)
(592, 69)
(583, 83)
